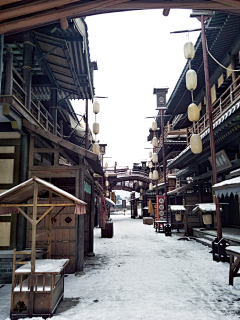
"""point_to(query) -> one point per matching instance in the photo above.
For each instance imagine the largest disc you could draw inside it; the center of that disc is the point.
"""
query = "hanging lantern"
(150, 186)
(155, 158)
(140, 183)
(106, 183)
(150, 175)
(155, 175)
(107, 193)
(150, 165)
(155, 142)
(150, 154)
(196, 143)
(96, 148)
(106, 165)
(141, 198)
(96, 107)
(154, 126)
(141, 190)
(95, 128)
(189, 51)
(106, 174)
(193, 112)
(191, 80)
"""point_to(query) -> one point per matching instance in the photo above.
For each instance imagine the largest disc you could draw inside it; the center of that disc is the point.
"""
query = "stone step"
(205, 242)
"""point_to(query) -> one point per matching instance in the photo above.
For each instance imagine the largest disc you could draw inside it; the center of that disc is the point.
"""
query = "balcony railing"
(37, 109)
(219, 107)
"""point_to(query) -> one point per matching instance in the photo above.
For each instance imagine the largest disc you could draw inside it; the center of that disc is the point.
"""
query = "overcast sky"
(135, 52)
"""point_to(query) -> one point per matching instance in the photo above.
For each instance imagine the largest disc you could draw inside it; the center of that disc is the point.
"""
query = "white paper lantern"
(96, 148)
(150, 154)
(155, 158)
(106, 183)
(150, 165)
(193, 112)
(189, 51)
(107, 193)
(150, 186)
(96, 107)
(150, 175)
(106, 174)
(155, 175)
(154, 126)
(141, 198)
(155, 142)
(106, 165)
(95, 128)
(196, 143)
(140, 183)
(191, 80)
(141, 190)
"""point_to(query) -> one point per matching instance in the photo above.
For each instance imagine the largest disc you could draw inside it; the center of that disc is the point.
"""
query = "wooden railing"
(219, 108)
(37, 109)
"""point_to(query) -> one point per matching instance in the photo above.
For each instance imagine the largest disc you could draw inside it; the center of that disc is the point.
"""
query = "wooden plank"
(39, 205)
(24, 214)
(45, 213)
(232, 3)
(60, 141)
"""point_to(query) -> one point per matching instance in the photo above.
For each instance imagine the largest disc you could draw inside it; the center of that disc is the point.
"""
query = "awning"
(110, 202)
(227, 187)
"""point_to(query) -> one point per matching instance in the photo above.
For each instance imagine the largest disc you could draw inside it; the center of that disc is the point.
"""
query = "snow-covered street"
(140, 274)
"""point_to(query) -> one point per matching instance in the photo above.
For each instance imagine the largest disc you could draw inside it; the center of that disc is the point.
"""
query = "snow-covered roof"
(44, 265)
(205, 207)
(177, 208)
(227, 187)
(110, 202)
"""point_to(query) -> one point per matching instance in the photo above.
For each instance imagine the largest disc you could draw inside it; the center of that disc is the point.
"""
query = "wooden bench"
(233, 252)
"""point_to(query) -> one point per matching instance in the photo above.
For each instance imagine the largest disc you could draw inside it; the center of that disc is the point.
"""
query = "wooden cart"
(37, 286)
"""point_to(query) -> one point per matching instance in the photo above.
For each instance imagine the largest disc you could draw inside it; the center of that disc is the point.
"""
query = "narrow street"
(140, 274)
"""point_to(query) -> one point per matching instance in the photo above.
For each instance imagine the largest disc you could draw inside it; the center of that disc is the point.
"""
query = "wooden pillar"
(28, 58)
(23, 176)
(54, 108)
(86, 131)
(79, 224)
(33, 252)
(91, 233)
(1, 59)
(8, 78)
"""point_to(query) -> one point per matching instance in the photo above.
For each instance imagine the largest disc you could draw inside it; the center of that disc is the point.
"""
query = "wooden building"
(41, 135)
(194, 171)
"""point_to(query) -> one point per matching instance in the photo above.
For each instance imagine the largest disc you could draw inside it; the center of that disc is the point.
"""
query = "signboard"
(160, 207)
(222, 161)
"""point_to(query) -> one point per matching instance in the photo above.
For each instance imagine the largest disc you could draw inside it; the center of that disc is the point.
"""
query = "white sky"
(135, 52)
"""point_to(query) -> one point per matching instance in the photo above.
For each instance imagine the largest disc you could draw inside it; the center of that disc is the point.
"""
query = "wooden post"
(49, 228)
(1, 59)
(91, 234)
(8, 79)
(33, 253)
(54, 108)
(86, 130)
(234, 74)
(28, 53)
(80, 224)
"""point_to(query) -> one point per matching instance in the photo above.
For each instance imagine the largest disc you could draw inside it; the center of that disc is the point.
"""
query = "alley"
(139, 274)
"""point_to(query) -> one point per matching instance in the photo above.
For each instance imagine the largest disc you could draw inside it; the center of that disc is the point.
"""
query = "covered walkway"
(140, 274)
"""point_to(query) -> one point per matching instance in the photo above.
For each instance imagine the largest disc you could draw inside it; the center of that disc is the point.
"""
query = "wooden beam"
(38, 205)
(56, 15)
(45, 213)
(32, 8)
(4, 2)
(60, 141)
(229, 3)
(24, 214)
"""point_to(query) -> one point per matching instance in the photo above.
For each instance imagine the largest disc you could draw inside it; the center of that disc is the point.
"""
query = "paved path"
(139, 274)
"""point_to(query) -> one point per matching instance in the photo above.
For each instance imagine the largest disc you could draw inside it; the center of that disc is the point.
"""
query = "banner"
(103, 212)
(160, 207)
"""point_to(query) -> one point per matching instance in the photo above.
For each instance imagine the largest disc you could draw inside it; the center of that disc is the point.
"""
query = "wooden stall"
(38, 285)
(177, 216)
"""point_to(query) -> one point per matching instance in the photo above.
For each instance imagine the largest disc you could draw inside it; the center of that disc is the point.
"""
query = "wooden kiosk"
(38, 285)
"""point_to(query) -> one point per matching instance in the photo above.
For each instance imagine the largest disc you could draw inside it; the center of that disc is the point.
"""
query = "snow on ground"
(140, 274)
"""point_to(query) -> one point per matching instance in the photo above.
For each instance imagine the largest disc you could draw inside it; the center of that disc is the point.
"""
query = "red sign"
(160, 207)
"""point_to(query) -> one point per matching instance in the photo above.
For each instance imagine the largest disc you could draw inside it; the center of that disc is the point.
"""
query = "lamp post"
(161, 105)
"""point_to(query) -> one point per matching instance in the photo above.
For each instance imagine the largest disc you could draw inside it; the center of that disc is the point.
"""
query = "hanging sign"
(222, 161)
(160, 207)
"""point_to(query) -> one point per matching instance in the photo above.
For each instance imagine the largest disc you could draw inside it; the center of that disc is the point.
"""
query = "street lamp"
(161, 105)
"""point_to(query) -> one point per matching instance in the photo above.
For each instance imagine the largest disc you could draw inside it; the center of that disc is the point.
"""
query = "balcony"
(220, 107)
